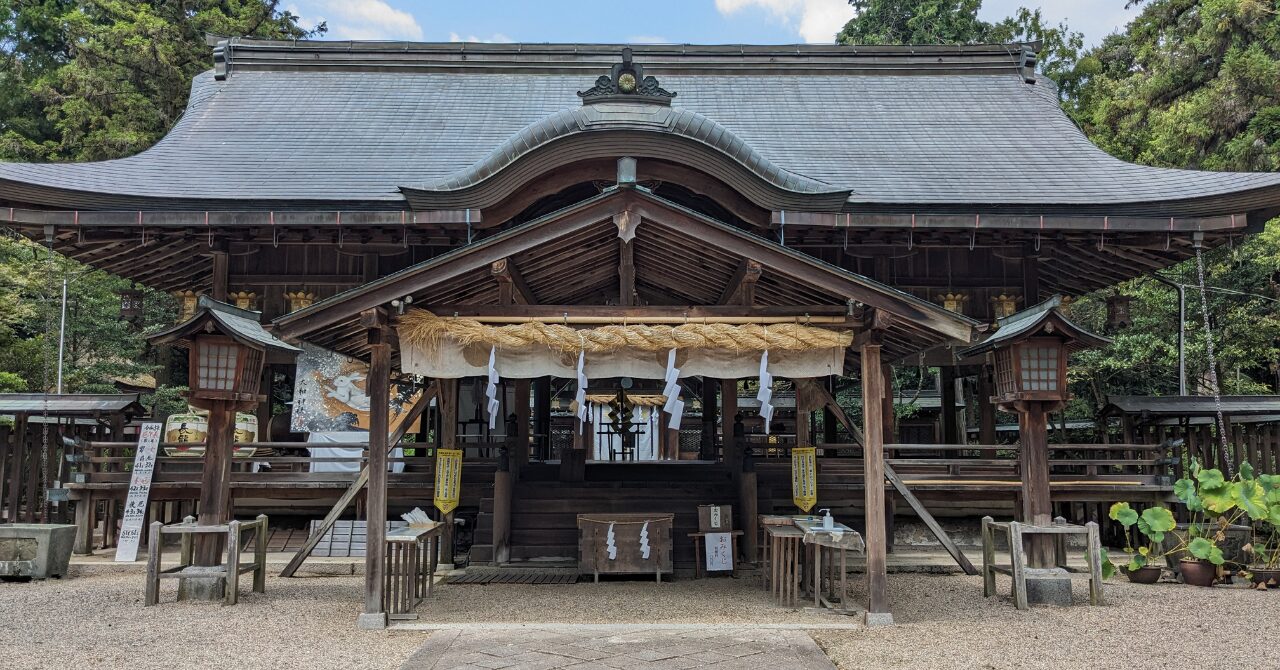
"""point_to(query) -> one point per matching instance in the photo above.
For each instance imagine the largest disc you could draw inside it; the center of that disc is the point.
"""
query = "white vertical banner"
(135, 507)
(581, 396)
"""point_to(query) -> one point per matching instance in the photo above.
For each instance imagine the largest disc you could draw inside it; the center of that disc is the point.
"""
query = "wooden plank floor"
(512, 577)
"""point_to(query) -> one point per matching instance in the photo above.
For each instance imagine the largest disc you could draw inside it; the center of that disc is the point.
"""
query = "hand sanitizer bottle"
(827, 522)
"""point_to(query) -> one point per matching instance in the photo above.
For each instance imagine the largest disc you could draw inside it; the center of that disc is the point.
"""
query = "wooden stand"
(411, 569)
(593, 554)
(1021, 572)
(229, 573)
(699, 559)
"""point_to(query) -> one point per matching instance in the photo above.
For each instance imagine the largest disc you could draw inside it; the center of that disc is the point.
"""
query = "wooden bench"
(229, 572)
(1021, 572)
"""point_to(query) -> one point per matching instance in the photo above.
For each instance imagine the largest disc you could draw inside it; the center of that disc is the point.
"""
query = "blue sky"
(681, 21)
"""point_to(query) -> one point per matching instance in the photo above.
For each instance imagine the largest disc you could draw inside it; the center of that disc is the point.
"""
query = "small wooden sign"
(719, 552)
(804, 477)
(135, 506)
(715, 518)
(448, 479)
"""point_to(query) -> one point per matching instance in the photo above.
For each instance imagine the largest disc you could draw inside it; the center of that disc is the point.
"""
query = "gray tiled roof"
(285, 134)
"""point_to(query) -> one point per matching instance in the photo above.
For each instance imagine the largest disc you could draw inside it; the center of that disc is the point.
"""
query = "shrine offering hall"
(580, 301)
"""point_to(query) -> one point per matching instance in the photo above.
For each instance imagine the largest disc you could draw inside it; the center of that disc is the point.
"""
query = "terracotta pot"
(1148, 574)
(1198, 573)
(1264, 576)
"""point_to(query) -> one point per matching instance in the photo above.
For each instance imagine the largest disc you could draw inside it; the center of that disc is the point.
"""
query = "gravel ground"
(99, 622)
(944, 622)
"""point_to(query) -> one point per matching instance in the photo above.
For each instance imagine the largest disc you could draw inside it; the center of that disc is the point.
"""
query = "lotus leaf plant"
(1215, 503)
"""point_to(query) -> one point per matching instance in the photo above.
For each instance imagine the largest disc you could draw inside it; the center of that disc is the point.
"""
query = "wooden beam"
(1033, 457)
(929, 521)
(742, 284)
(950, 424)
(874, 477)
(626, 273)
(447, 406)
(220, 270)
(637, 314)
(416, 411)
(512, 289)
(986, 409)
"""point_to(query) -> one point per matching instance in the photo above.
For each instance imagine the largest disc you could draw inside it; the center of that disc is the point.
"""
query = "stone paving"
(588, 647)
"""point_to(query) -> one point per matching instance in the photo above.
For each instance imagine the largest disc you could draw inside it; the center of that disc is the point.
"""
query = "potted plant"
(1264, 568)
(1217, 505)
(1152, 525)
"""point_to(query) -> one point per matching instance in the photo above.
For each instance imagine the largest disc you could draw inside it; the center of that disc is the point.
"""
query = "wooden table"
(629, 558)
(698, 562)
(822, 542)
(412, 556)
(785, 562)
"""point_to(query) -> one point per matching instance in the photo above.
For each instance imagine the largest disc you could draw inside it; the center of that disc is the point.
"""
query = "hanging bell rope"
(424, 329)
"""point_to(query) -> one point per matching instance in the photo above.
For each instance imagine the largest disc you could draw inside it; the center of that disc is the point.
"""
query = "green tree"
(99, 79)
(916, 22)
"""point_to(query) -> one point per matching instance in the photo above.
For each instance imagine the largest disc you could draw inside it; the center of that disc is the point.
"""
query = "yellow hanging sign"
(448, 479)
(804, 477)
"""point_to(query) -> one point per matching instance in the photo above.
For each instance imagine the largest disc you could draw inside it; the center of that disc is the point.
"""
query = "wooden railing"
(111, 462)
(1156, 462)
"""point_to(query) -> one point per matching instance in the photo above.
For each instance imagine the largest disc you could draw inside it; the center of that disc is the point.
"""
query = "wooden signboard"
(804, 477)
(625, 544)
(135, 507)
(715, 518)
(448, 479)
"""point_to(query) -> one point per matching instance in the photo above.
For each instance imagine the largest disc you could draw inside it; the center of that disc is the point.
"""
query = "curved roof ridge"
(630, 116)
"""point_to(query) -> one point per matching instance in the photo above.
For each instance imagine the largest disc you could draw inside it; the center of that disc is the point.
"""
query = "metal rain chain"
(1213, 366)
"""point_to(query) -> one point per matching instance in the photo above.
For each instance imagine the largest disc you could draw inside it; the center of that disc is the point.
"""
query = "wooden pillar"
(520, 456)
(887, 411)
(379, 389)
(626, 274)
(748, 496)
(502, 490)
(873, 466)
(221, 269)
(447, 402)
(542, 416)
(729, 451)
(215, 495)
(950, 427)
(1033, 453)
(803, 429)
(986, 409)
(709, 407)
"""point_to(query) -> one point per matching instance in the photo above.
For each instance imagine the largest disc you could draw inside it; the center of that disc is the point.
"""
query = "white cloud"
(496, 37)
(812, 20)
(360, 20)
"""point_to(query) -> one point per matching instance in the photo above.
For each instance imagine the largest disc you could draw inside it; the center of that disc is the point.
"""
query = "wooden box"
(593, 544)
(707, 514)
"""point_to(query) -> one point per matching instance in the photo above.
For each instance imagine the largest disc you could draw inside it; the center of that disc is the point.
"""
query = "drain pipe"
(1182, 330)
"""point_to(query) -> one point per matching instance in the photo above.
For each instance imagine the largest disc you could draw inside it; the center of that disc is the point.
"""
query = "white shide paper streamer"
(581, 397)
(766, 391)
(644, 541)
(610, 545)
(674, 405)
(491, 390)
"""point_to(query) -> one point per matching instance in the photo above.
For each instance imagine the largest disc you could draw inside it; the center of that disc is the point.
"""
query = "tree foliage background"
(1190, 83)
(95, 80)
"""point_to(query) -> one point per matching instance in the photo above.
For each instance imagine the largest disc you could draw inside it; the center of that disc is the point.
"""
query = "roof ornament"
(626, 82)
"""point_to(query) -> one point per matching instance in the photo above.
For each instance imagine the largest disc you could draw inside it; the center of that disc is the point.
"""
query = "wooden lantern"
(227, 348)
(130, 304)
(1118, 316)
(1029, 350)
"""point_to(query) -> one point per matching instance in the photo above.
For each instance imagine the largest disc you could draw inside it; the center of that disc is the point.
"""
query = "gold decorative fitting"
(187, 301)
(244, 299)
(954, 302)
(299, 300)
(1004, 305)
